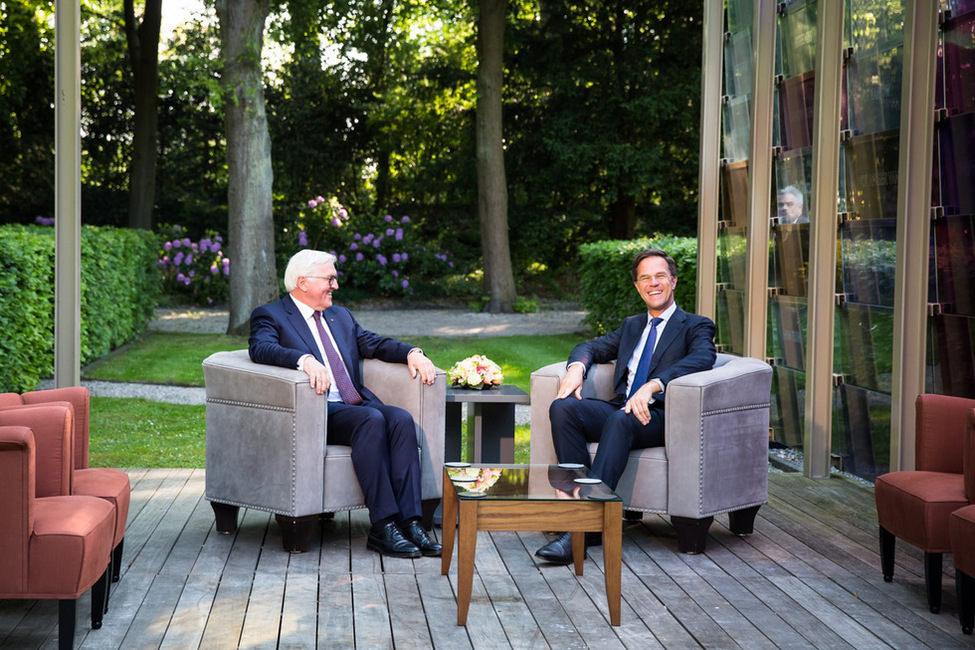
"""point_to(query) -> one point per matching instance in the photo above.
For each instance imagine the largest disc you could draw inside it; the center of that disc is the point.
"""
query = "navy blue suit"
(382, 437)
(686, 345)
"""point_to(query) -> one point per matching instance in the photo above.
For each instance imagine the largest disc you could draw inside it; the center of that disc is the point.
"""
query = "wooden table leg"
(466, 546)
(449, 524)
(578, 551)
(613, 556)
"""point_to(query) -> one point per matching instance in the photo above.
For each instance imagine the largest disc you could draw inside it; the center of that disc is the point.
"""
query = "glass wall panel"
(951, 318)
(736, 138)
(863, 344)
(789, 242)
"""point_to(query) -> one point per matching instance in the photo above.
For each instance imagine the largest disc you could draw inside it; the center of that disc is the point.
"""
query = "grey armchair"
(716, 455)
(267, 446)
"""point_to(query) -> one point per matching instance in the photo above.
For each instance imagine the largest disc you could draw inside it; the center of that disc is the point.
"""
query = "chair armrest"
(543, 389)
(80, 400)
(940, 432)
(392, 383)
(16, 501)
(53, 434)
(717, 425)
(265, 436)
(970, 457)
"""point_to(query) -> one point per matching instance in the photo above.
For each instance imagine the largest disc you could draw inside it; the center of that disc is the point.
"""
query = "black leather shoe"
(389, 541)
(558, 551)
(415, 532)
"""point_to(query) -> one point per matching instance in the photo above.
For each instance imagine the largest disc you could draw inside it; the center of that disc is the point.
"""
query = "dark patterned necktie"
(343, 382)
(643, 366)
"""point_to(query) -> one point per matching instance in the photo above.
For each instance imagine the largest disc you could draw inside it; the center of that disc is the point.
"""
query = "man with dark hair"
(304, 330)
(650, 350)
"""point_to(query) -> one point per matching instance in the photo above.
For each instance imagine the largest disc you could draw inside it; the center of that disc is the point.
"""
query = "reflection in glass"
(955, 253)
(864, 354)
(868, 251)
(959, 61)
(734, 193)
(738, 64)
(861, 430)
(796, 110)
(736, 129)
(875, 91)
(951, 355)
(797, 25)
(740, 15)
(788, 406)
(871, 175)
(876, 25)
(956, 136)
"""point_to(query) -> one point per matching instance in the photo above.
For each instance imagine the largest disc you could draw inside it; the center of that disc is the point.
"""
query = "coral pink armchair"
(52, 546)
(102, 482)
(915, 505)
(961, 530)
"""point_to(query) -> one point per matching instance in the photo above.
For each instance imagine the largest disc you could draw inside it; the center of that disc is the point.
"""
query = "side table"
(492, 420)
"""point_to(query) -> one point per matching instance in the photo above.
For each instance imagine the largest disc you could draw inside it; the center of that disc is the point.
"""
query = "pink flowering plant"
(378, 255)
(194, 272)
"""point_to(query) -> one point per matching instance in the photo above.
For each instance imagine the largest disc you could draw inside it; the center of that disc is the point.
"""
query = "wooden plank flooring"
(809, 577)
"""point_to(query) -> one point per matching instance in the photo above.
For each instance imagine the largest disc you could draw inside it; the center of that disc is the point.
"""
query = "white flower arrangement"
(476, 372)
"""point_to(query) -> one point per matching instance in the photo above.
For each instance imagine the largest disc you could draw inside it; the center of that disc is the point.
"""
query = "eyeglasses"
(659, 277)
(331, 280)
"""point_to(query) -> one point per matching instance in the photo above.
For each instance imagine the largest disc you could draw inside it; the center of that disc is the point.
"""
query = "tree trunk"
(253, 277)
(492, 190)
(623, 217)
(143, 46)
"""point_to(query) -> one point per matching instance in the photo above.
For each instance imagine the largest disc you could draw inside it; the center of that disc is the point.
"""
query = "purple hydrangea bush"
(193, 272)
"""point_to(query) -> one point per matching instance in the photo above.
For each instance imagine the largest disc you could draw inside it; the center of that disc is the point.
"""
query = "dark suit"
(382, 437)
(686, 345)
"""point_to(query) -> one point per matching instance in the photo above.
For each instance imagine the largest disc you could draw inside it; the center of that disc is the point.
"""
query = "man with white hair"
(304, 330)
(790, 206)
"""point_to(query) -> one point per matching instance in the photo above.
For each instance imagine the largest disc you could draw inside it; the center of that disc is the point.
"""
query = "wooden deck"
(808, 577)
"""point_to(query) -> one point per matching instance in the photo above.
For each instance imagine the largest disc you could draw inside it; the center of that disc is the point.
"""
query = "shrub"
(608, 295)
(377, 255)
(195, 273)
(119, 289)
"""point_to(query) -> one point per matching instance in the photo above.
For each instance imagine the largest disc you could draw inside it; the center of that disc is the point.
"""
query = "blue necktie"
(643, 367)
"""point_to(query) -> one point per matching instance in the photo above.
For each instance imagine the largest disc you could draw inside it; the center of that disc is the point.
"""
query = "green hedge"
(119, 289)
(608, 295)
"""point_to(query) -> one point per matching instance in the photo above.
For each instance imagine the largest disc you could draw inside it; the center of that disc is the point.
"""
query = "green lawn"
(143, 433)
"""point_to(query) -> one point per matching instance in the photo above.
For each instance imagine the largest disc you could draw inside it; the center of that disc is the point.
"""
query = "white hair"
(302, 264)
(794, 191)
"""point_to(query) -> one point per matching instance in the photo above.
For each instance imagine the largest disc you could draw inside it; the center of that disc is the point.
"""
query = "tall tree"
(142, 38)
(492, 189)
(253, 277)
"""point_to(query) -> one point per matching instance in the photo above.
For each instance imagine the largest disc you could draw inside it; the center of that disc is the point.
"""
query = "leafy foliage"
(608, 295)
(193, 272)
(119, 288)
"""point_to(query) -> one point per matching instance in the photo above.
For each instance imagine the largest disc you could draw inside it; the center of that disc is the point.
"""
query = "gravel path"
(399, 323)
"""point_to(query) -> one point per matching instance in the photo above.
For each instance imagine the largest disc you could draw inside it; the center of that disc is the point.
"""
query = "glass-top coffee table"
(529, 497)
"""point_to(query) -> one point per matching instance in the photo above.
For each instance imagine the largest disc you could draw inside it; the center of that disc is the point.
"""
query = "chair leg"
(67, 622)
(226, 516)
(932, 580)
(296, 532)
(99, 599)
(692, 534)
(428, 507)
(742, 522)
(632, 515)
(965, 589)
(117, 560)
(887, 540)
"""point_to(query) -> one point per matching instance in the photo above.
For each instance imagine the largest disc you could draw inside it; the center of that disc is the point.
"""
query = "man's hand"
(418, 362)
(319, 376)
(571, 384)
(639, 404)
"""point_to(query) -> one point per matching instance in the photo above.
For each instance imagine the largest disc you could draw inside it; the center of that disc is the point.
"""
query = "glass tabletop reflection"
(526, 482)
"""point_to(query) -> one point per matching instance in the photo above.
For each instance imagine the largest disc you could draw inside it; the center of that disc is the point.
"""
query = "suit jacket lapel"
(300, 327)
(673, 329)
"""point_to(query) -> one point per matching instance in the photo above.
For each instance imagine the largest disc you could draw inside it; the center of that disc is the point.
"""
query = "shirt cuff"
(301, 361)
(420, 350)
